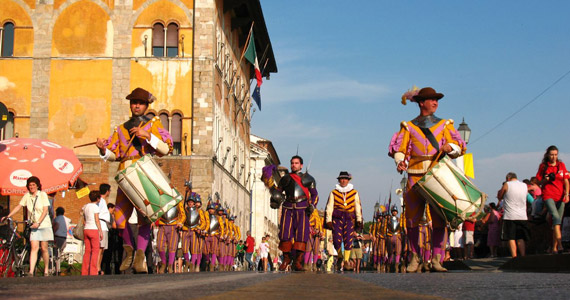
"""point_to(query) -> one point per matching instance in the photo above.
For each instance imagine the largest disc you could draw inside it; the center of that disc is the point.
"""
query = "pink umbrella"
(57, 167)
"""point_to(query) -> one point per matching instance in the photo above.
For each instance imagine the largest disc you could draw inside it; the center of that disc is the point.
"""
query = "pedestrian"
(240, 251)
(60, 235)
(413, 149)
(492, 219)
(468, 234)
(249, 249)
(37, 203)
(113, 255)
(356, 252)
(553, 175)
(93, 234)
(147, 136)
(263, 252)
(515, 228)
(105, 219)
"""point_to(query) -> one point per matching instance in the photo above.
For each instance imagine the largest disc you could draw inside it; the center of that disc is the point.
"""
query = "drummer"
(148, 137)
(414, 148)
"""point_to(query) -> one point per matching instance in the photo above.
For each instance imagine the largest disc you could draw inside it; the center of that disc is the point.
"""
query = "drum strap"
(430, 137)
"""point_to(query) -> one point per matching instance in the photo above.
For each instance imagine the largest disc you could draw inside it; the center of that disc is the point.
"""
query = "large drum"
(148, 188)
(450, 193)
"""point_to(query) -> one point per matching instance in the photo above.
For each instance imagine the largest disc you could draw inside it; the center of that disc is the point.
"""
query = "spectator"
(356, 253)
(240, 251)
(249, 249)
(37, 204)
(538, 210)
(492, 218)
(263, 252)
(468, 233)
(331, 253)
(92, 234)
(105, 219)
(365, 255)
(60, 234)
(553, 175)
(515, 227)
(113, 256)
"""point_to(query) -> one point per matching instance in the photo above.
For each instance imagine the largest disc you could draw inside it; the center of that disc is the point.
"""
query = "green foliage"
(367, 226)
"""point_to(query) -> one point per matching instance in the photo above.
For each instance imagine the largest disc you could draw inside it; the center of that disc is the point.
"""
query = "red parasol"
(57, 167)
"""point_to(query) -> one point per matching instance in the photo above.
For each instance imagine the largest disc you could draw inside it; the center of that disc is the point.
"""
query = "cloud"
(313, 84)
(6, 84)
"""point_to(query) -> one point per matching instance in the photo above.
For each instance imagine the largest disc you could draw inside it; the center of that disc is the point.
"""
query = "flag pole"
(242, 53)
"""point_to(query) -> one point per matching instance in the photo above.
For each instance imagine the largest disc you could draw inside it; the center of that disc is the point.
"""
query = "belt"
(296, 199)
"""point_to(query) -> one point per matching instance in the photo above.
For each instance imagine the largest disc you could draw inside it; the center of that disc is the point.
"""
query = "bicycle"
(13, 256)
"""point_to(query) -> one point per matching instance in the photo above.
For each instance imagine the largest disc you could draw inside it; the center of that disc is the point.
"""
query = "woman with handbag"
(92, 234)
(37, 204)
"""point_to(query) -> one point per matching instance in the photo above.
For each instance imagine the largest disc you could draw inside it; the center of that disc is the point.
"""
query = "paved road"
(453, 285)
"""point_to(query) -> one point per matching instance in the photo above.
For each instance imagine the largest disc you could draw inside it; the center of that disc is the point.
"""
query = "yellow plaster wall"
(163, 10)
(80, 102)
(170, 81)
(23, 33)
(31, 3)
(82, 29)
(137, 3)
(16, 91)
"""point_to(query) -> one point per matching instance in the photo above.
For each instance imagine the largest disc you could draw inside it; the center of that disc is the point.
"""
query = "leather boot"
(161, 268)
(299, 261)
(425, 266)
(139, 264)
(191, 267)
(212, 266)
(286, 261)
(436, 265)
(414, 263)
(396, 269)
(402, 267)
(128, 261)
(285, 247)
(315, 269)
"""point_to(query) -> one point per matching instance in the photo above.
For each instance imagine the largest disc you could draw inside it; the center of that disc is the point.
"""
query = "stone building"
(67, 65)
(264, 219)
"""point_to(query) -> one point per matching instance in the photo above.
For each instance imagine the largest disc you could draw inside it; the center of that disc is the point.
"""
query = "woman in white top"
(92, 235)
(37, 204)
(264, 252)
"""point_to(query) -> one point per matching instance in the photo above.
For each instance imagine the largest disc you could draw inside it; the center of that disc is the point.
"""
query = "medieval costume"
(414, 148)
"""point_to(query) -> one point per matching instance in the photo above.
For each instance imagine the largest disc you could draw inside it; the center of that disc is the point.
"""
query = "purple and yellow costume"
(118, 148)
(411, 145)
(343, 210)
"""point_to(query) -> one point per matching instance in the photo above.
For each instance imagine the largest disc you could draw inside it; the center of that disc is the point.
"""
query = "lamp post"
(464, 131)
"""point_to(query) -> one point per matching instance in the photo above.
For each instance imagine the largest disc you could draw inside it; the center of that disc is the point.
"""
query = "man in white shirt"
(515, 228)
(105, 219)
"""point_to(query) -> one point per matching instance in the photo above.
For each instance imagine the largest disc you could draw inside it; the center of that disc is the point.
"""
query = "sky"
(503, 66)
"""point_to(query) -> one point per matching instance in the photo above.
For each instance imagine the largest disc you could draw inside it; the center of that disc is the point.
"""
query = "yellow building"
(67, 65)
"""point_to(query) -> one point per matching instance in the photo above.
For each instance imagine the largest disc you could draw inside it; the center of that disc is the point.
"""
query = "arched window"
(150, 115)
(158, 40)
(176, 133)
(8, 39)
(172, 40)
(8, 130)
(164, 120)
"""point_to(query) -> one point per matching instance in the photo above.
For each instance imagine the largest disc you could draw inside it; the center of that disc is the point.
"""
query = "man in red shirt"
(249, 248)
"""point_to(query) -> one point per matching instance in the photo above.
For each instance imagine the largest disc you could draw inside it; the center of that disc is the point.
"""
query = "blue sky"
(343, 67)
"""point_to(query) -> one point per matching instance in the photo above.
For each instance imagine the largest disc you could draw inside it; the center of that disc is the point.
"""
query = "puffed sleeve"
(453, 137)
(398, 148)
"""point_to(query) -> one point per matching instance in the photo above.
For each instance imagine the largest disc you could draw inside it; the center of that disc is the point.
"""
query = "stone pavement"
(250, 285)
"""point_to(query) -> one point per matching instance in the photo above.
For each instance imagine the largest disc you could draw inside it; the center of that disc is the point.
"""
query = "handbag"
(27, 231)
(78, 229)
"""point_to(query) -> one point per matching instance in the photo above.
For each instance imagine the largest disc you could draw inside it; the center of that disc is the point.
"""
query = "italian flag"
(251, 56)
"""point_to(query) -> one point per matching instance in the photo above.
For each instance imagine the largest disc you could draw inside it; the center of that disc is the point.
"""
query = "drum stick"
(83, 145)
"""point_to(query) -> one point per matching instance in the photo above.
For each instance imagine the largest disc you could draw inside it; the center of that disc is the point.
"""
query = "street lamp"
(464, 131)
